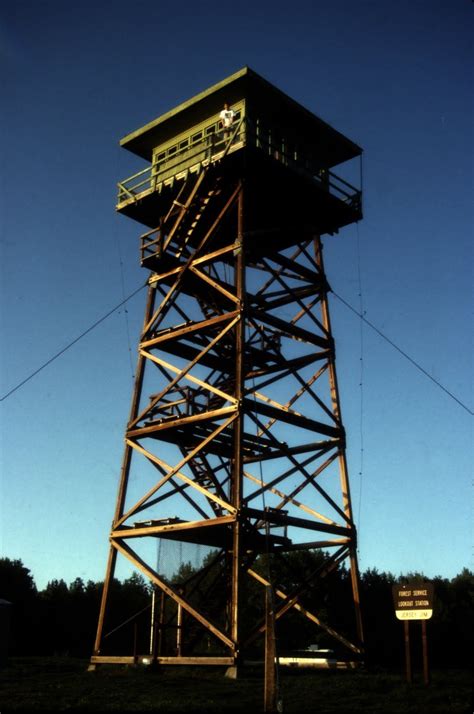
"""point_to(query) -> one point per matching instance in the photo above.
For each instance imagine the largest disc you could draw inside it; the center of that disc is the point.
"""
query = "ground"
(64, 684)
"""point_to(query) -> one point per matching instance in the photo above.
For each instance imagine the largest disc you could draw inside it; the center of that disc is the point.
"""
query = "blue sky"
(394, 77)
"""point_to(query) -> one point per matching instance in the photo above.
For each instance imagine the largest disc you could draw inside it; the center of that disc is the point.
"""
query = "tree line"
(62, 618)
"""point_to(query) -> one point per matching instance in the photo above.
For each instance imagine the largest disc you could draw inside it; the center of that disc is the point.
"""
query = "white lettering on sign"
(414, 614)
(413, 601)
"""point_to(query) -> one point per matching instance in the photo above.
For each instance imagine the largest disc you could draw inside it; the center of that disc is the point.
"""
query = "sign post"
(426, 673)
(406, 628)
(414, 601)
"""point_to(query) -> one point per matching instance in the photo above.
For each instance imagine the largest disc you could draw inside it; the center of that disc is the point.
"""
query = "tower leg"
(127, 457)
(343, 470)
(238, 426)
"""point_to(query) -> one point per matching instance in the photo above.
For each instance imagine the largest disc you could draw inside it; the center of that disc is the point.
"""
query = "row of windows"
(271, 139)
(193, 140)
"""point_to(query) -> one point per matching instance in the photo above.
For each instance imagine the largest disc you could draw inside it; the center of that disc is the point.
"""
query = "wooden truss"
(242, 432)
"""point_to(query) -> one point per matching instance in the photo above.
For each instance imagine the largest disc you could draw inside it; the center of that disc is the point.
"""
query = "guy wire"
(361, 381)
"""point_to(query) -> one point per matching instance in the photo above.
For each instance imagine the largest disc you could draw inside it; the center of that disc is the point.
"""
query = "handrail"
(151, 176)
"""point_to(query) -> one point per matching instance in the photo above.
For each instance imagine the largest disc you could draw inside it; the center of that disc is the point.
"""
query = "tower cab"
(287, 153)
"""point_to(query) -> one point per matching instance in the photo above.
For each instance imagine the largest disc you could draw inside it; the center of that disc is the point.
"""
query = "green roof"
(260, 94)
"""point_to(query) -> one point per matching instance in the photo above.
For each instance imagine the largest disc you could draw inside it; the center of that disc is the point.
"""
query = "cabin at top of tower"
(284, 151)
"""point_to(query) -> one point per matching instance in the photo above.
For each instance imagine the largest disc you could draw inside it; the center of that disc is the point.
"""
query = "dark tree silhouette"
(62, 619)
(18, 587)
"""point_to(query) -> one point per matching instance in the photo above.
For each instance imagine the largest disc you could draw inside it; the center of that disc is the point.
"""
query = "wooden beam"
(172, 527)
(143, 431)
(285, 520)
(293, 418)
(174, 333)
(214, 284)
(288, 499)
(286, 328)
(154, 577)
(174, 471)
(311, 616)
(147, 659)
(181, 372)
(173, 289)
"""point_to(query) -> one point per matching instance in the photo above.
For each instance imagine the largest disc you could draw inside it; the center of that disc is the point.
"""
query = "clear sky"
(396, 78)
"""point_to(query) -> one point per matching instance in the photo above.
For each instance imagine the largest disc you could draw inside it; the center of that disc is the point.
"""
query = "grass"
(64, 684)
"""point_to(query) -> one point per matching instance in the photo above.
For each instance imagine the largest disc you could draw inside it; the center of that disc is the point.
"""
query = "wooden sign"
(413, 601)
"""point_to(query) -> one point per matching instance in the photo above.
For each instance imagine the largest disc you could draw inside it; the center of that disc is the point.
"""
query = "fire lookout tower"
(235, 432)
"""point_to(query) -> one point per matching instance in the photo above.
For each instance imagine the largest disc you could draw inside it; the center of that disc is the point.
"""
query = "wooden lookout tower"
(235, 436)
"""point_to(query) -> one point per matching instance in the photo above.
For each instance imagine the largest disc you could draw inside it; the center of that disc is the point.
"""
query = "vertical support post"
(160, 631)
(105, 594)
(426, 673)
(238, 427)
(406, 624)
(270, 689)
(153, 623)
(179, 631)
